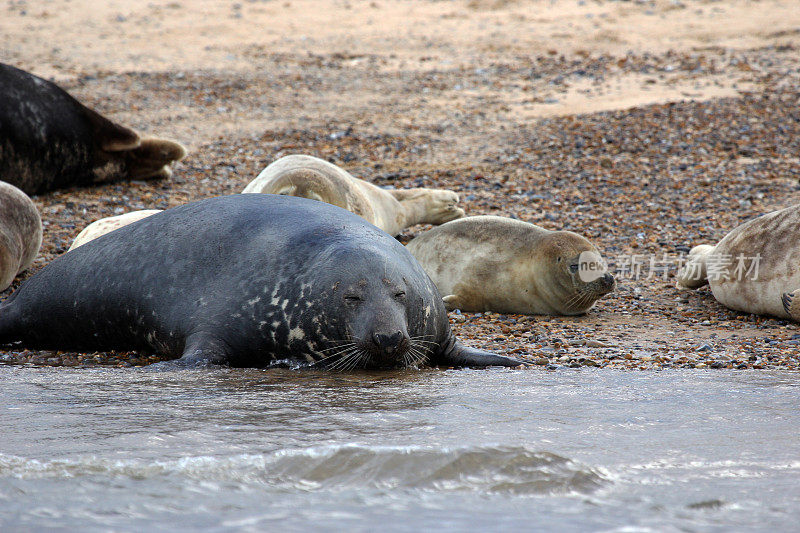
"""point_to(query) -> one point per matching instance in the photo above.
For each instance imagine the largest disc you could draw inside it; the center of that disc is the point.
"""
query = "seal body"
(242, 280)
(49, 140)
(391, 210)
(752, 267)
(20, 233)
(105, 225)
(489, 263)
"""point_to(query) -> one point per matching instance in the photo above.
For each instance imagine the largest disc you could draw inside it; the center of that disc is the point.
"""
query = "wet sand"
(648, 127)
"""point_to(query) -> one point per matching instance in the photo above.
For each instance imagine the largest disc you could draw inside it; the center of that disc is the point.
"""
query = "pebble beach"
(648, 127)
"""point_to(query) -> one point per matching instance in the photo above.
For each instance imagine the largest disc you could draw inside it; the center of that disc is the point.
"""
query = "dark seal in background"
(49, 140)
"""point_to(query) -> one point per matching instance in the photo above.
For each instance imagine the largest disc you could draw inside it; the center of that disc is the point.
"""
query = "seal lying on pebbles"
(105, 225)
(49, 140)
(390, 210)
(243, 280)
(489, 263)
(20, 233)
(752, 267)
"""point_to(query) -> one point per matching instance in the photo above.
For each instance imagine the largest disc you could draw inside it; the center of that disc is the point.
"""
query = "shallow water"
(99, 449)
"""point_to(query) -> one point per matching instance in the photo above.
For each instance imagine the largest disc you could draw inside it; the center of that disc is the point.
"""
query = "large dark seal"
(49, 140)
(243, 280)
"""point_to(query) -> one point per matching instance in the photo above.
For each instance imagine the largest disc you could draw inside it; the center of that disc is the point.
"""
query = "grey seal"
(243, 280)
(49, 140)
(20, 233)
(392, 210)
(490, 263)
(753, 267)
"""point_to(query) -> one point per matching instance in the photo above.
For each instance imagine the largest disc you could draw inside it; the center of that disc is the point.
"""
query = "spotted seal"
(20, 233)
(49, 140)
(392, 210)
(490, 263)
(243, 280)
(753, 266)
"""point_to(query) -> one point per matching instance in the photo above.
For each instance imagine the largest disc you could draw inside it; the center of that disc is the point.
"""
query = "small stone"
(591, 343)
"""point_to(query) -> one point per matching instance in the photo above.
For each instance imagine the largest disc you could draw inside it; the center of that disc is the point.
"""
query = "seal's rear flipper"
(150, 159)
(464, 356)
(144, 157)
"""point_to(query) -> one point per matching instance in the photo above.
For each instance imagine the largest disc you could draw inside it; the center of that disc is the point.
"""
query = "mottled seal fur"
(242, 280)
(489, 263)
(105, 225)
(391, 210)
(49, 140)
(20, 233)
(753, 266)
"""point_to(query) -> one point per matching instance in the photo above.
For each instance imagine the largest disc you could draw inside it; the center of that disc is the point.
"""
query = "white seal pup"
(752, 267)
(391, 210)
(20, 233)
(108, 224)
(49, 140)
(490, 263)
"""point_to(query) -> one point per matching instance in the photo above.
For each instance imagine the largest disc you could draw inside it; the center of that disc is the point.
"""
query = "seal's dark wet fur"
(243, 280)
(49, 140)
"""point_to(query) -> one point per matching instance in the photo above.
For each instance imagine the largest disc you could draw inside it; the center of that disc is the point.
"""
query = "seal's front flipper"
(451, 302)
(791, 303)
(464, 356)
(202, 350)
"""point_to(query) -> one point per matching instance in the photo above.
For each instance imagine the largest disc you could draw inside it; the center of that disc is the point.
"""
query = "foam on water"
(512, 470)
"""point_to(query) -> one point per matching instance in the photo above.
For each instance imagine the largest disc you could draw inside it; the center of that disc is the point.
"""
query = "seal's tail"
(791, 303)
(694, 273)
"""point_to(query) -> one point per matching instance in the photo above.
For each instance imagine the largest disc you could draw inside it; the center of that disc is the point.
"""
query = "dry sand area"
(648, 126)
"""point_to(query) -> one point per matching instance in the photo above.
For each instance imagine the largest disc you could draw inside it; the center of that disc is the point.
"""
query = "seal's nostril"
(396, 338)
(378, 339)
(388, 343)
